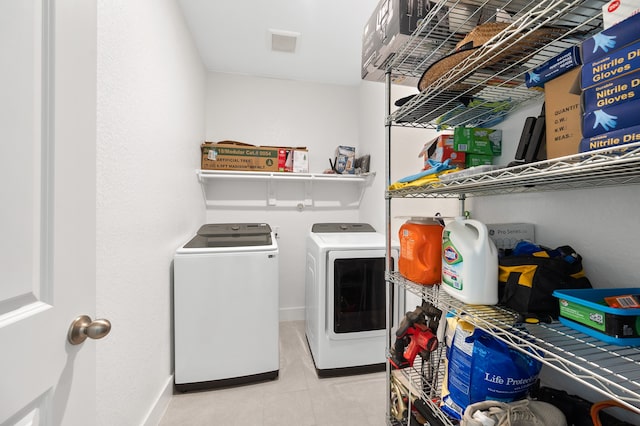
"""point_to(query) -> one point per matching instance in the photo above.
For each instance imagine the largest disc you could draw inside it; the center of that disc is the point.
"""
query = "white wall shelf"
(229, 189)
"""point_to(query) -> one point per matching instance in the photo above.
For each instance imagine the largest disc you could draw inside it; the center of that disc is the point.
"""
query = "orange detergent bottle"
(420, 257)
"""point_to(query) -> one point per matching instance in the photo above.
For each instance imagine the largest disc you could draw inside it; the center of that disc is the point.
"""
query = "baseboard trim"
(160, 407)
(292, 314)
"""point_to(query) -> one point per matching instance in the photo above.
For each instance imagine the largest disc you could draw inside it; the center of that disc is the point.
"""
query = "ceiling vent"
(283, 41)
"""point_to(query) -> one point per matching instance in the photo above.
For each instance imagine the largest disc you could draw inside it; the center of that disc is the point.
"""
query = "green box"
(594, 318)
(477, 140)
(478, 160)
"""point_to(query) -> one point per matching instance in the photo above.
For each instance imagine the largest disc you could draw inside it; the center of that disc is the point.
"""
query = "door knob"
(82, 327)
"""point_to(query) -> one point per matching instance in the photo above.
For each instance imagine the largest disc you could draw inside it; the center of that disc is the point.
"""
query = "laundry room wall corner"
(150, 123)
(371, 134)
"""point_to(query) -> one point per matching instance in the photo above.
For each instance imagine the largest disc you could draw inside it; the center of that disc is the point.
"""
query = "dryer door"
(355, 294)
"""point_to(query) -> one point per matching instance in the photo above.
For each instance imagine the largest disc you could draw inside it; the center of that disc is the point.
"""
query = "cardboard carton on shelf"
(441, 149)
(475, 160)
(345, 159)
(478, 140)
(616, 11)
(563, 116)
(239, 156)
(390, 26)
(506, 235)
(558, 65)
(609, 119)
(613, 65)
(616, 91)
(612, 139)
(300, 160)
(612, 38)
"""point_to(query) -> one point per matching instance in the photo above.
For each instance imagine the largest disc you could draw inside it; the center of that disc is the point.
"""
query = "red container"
(421, 250)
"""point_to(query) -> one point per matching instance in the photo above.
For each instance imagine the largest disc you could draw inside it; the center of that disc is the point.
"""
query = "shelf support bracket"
(308, 193)
(462, 198)
(271, 193)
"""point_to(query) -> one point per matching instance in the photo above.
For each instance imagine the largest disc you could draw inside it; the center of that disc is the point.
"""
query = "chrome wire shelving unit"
(612, 370)
(604, 167)
(489, 82)
(482, 86)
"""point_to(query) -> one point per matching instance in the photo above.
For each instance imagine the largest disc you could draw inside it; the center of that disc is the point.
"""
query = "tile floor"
(297, 398)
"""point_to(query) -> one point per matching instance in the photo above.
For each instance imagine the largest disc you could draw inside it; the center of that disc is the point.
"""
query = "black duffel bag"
(527, 281)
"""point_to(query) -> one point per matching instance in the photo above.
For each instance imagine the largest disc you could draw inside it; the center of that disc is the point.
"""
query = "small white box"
(506, 235)
(300, 161)
(615, 11)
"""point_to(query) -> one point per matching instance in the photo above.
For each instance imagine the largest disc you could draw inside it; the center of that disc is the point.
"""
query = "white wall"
(263, 111)
(150, 120)
(269, 111)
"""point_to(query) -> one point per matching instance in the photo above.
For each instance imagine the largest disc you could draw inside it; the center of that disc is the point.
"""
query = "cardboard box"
(477, 140)
(615, 11)
(285, 159)
(613, 65)
(609, 119)
(389, 28)
(232, 155)
(611, 139)
(616, 91)
(345, 159)
(441, 149)
(615, 37)
(506, 235)
(300, 161)
(562, 115)
(558, 65)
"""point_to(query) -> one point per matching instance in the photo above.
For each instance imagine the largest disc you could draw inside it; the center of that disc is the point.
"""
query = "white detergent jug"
(469, 262)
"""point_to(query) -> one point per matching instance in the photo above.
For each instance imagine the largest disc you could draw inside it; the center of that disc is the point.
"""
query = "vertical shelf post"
(390, 300)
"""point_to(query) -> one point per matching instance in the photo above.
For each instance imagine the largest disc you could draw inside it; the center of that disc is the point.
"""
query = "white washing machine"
(345, 298)
(226, 307)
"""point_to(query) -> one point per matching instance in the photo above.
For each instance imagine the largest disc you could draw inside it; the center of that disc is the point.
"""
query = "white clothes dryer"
(345, 298)
(226, 307)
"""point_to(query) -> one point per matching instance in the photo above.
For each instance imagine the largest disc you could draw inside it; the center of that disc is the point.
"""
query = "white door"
(47, 213)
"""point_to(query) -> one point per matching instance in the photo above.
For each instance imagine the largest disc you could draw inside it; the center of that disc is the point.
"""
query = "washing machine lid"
(341, 227)
(231, 235)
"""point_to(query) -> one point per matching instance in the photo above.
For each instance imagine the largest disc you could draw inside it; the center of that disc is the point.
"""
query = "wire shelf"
(492, 77)
(604, 167)
(611, 370)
